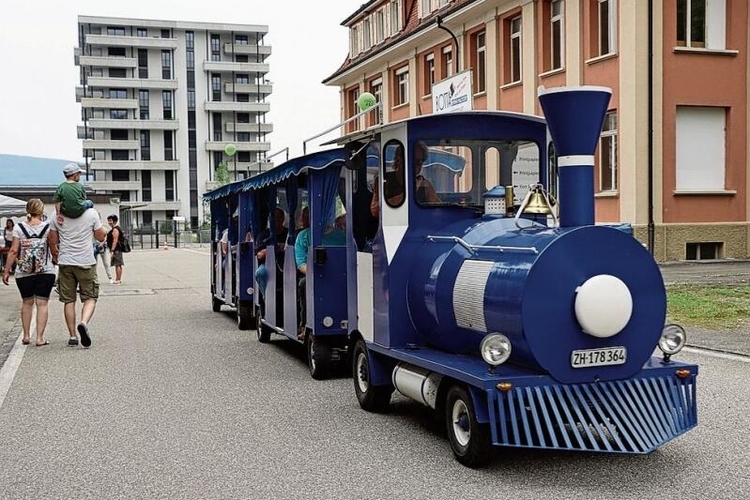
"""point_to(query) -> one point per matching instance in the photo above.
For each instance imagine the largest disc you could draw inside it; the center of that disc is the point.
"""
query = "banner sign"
(452, 94)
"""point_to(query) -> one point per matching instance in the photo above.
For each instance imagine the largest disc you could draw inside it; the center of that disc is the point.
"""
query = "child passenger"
(70, 197)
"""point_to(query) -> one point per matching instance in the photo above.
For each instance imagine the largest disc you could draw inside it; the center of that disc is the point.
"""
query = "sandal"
(26, 341)
(46, 342)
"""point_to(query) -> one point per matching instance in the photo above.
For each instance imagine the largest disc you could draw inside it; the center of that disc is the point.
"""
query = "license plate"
(598, 357)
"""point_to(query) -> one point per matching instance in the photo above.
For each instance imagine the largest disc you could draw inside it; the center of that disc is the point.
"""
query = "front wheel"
(371, 398)
(470, 440)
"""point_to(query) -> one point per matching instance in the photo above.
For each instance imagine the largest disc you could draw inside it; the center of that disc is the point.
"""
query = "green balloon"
(366, 101)
(230, 149)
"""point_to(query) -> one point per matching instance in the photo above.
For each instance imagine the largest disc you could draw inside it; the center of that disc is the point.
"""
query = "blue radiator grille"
(628, 416)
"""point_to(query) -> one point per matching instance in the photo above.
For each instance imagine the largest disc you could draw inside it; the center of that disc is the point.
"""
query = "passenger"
(393, 184)
(70, 197)
(331, 237)
(264, 238)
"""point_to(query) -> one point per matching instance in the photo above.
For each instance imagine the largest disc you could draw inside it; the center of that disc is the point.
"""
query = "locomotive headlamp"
(672, 340)
(495, 349)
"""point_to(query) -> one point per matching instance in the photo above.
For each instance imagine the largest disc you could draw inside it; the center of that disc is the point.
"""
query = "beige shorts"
(80, 278)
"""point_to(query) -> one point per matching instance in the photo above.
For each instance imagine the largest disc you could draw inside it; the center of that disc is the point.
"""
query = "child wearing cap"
(70, 197)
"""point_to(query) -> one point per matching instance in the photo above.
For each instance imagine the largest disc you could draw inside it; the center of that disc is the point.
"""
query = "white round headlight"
(672, 339)
(495, 349)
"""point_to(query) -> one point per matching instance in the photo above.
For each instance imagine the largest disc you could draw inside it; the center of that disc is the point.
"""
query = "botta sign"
(452, 94)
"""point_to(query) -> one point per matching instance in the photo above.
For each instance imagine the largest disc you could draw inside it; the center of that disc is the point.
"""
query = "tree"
(222, 174)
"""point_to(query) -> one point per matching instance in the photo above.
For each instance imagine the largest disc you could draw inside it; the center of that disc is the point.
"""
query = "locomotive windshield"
(460, 172)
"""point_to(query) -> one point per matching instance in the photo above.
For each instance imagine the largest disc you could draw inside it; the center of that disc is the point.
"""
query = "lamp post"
(231, 151)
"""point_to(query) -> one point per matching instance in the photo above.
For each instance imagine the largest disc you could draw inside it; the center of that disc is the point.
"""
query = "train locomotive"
(473, 280)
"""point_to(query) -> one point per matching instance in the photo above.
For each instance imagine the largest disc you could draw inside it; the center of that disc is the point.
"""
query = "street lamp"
(231, 151)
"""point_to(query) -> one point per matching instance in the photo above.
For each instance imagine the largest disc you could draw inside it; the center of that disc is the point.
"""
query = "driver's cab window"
(394, 176)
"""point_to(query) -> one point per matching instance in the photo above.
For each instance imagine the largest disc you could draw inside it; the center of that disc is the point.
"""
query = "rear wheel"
(470, 440)
(371, 398)
(246, 320)
(318, 357)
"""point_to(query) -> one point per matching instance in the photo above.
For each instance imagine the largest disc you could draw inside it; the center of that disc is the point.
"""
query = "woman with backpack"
(35, 273)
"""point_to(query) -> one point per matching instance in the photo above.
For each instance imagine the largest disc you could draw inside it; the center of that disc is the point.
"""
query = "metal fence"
(166, 232)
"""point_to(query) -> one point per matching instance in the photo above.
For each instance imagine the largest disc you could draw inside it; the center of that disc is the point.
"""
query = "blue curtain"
(329, 193)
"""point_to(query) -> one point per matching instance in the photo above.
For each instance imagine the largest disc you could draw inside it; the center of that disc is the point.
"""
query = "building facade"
(160, 103)
(673, 154)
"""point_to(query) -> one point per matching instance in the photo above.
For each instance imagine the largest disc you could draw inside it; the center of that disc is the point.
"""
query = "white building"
(161, 100)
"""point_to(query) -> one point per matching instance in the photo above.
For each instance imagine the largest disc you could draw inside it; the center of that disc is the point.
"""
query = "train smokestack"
(574, 117)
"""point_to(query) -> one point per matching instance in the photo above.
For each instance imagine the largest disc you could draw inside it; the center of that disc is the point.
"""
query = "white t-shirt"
(76, 237)
(49, 268)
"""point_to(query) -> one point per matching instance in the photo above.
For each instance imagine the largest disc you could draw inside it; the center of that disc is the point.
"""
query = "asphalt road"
(172, 401)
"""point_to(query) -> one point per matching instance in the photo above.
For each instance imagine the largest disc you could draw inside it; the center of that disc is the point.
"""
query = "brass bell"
(537, 204)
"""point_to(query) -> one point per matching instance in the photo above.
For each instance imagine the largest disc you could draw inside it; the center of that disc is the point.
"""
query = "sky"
(38, 77)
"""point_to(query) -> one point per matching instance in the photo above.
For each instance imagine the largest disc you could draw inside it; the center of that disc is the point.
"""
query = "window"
(513, 62)
(120, 155)
(145, 145)
(394, 17)
(243, 97)
(376, 89)
(190, 59)
(215, 48)
(394, 174)
(142, 63)
(242, 79)
(429, 73)
(118, 73)
(241, 58)
(121, 175)
(147, 216)
(118, 114)
(168, 150)
(169, 185)
(556, 34)
(701, 148)
(605, 27)
(166, 65)
(241, 40)
(447, 63)
(243, 136)
(118, 94)
(608, 153)
(116, 51)
(166, 34)
(426, 7)
(701, 24)
(115, 31)
(141, 32)
(215, 87)
(146, 185)
(166, 99)
(118, 134)
(479, 62)
(704, 251)
(379, 26)
(143, 104)
(190, 40)
(243, 117)
(354, 41)
(191, 99)
(401, 82)
(367, 34)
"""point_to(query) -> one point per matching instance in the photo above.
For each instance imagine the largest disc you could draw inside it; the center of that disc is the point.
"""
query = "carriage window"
(512, 163)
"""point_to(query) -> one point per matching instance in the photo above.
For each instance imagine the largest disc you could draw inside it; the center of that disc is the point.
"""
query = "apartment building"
(673, 154)
(160, 101)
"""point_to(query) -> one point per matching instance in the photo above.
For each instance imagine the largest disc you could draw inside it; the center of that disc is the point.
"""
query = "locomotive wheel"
(470, 440)
(371, 398)
(216, 304)
(245, 318)
(318, 357)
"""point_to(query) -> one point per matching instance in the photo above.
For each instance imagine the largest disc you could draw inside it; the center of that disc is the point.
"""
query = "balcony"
(263, 128)
(132, 124)
(247, 49)
(109, 144)
(131, 83)
(241, 146)
(240, 107)
(229, 67)
(114, 185)
(135, 165)
(154, 206)
(247, 88)
(107, 103)
(131, 41)
(107, 62)
(82, 132)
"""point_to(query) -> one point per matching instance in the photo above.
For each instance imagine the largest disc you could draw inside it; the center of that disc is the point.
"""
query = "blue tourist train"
(455, 258)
